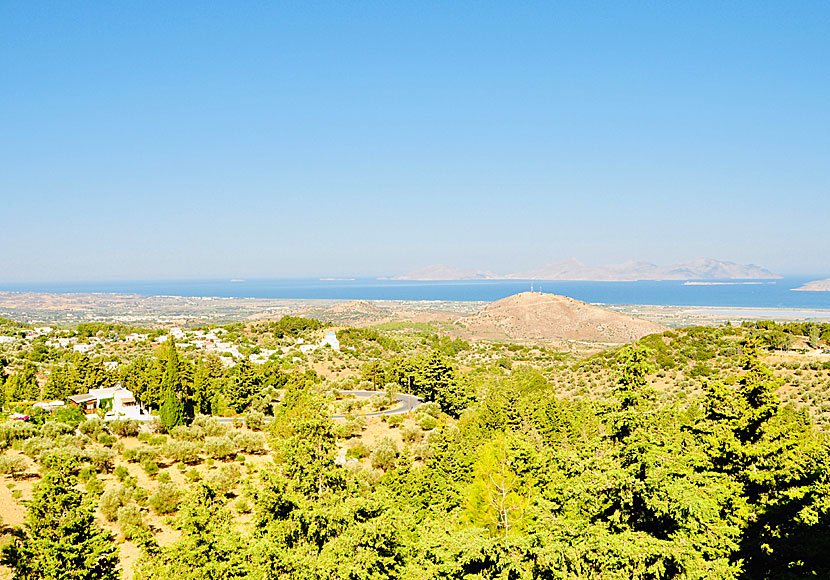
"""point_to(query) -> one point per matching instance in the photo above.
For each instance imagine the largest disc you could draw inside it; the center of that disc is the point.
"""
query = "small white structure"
(50, 405)
(8, 339)
(118, 402)
(331, 340)
(83, 347)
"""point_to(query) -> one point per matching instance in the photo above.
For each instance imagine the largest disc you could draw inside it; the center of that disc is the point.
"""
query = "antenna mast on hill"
(531, 286)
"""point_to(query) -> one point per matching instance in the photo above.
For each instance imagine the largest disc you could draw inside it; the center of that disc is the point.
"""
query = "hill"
(815, 286)
(572, 269)
(531, 315)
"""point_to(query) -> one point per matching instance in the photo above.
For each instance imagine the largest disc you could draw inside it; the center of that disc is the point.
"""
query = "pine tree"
(59, 539)
(171, 412)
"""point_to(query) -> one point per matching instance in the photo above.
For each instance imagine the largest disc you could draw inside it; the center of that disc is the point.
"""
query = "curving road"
(406, 402)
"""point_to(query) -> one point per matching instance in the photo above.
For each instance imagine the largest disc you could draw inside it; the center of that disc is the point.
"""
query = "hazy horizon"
(156, 141)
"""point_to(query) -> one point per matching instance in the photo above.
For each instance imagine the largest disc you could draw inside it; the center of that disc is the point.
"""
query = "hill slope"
(550, 316)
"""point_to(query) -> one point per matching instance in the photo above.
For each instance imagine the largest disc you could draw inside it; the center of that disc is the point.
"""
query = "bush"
(225, 480)
(242, 506)
(124, 427)
(411, 433)
(71, 415)
(113, 500)
(219, 447)
(12, 432)
(247, 442)
(106, 439)
(158, 440)
(429, 408)
(209, 425)
(35, 446)
(130, 521)
(427, 422)
(184, 433)
(101, 459)
(53, 429)
(193, 474)
(91, 427)
(145, 437)
(384, 454)
(395, 420)
(156, 426)
(358, 452)
(95, 486)
(121, 472)
(151, 468)
(13, 466)
(141, 454)
(254, 420)
(183, 451)
(165, 499)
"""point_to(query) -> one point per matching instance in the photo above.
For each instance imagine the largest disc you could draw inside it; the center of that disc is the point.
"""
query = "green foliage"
(294, 326)
(384, 454)
(171, 412)
(165, 499)
(60, 540)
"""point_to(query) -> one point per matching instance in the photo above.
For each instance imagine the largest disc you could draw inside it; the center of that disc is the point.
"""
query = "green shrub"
(193, 474)
(158, 440)
(101, 459)
(54, 429)
(91, 427)
(254, 420)
(130, 521)
(384, 454)
(411, 433)
(121, 472)
(427, 422)
(113, 500)
(165, 499)
(242, 506)
(247, 442)
(124, 427)
(12, 466)
(219, 447)
(106, 439)
(183, 451)
(151, 468)
(395, 420)
(358, 451)
(209, 425)
(225, 479)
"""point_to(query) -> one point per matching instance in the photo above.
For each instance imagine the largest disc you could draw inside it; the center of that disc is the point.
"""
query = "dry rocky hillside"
(533, 315)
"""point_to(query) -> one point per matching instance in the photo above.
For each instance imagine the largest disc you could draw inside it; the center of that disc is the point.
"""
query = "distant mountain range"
(572, 269)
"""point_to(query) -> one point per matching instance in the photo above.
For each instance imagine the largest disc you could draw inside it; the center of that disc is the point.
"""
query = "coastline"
(67, 309)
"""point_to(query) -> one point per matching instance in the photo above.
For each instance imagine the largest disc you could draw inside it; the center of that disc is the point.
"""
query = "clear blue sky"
(149, 140)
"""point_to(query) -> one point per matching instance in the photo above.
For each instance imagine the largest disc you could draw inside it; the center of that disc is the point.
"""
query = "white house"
(331, 340)
(118, 403)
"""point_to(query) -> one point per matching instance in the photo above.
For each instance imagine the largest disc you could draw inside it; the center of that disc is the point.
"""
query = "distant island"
(572, 269)
(815, 286)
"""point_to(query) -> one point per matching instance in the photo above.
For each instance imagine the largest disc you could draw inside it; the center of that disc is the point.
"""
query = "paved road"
(406, 403)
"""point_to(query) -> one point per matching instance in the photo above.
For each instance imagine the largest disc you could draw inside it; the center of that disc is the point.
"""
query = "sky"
(171, 140)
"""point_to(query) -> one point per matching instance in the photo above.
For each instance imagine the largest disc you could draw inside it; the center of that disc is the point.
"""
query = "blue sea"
(766, 294)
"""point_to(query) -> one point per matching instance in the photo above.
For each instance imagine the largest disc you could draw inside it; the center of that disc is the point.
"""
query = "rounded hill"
(533, 315)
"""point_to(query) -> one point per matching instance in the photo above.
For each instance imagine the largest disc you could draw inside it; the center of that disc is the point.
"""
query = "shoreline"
(69, 309)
